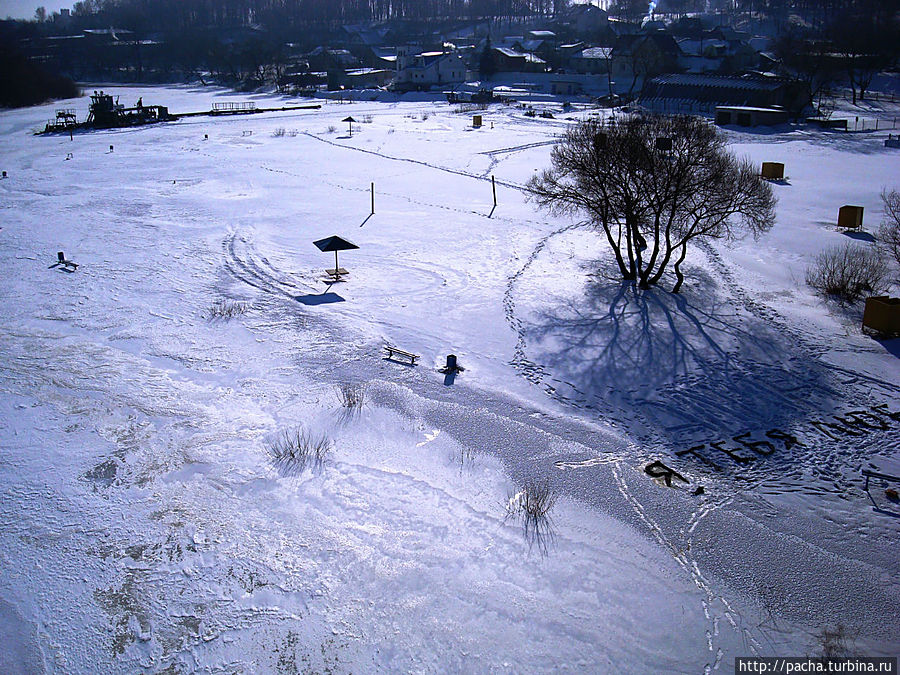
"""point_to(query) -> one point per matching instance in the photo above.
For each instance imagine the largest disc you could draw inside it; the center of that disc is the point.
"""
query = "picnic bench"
(336, 273)
(391, 350)
(61, 260)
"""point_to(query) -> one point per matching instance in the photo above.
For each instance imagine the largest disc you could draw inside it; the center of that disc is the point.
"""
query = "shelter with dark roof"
(748, 90)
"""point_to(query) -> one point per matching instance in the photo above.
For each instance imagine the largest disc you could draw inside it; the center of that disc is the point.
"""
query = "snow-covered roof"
(718, 81)
(595, 53)
(506, 51)
(531, 45)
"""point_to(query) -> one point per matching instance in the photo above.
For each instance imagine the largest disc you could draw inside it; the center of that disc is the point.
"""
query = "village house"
(593, 60)
(508, 60)
(637, 58)
(585, 19)
(428, 69)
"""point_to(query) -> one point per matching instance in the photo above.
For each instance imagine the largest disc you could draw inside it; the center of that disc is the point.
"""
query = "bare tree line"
(180, 14)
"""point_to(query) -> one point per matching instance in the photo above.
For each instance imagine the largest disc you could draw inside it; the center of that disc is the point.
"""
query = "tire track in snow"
(240, 262)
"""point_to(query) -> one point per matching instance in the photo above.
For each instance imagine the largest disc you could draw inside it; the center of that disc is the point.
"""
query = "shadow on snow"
(695, 364)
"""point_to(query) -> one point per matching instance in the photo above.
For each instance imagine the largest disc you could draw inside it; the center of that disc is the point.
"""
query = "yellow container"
(773, 170)
(882, 315)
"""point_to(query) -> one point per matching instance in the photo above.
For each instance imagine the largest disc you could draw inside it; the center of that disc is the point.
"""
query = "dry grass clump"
(292, 451)
(279, 132)
(836, 642)
(352, 396)
(225, 309)
(532, 505)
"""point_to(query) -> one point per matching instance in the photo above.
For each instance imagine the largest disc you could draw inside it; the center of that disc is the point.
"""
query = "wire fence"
(872, 96)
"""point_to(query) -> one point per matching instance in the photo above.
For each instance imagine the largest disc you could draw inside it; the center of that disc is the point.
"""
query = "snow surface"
(145, 528)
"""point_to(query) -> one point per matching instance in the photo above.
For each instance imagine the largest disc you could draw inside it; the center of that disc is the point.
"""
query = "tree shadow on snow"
(695, 364)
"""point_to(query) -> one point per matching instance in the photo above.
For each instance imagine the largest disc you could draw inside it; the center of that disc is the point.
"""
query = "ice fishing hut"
(850, 217)
(772, 171)
(882, 315)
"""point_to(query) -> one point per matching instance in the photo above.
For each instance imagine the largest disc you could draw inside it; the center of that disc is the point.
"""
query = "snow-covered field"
(145, 527)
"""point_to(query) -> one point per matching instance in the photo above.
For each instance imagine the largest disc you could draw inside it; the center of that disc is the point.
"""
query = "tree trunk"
(678, 273)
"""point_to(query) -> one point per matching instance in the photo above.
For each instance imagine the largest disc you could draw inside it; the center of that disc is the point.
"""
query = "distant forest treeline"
(166, 15)
(23, 83)
(179, 14)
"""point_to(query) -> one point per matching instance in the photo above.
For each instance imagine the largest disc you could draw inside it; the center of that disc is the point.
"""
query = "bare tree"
(866, 45)
(810, 66)
(652, 185)
(889, 233)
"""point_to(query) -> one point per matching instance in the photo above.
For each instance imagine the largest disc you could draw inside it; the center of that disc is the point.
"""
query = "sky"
(24, 9)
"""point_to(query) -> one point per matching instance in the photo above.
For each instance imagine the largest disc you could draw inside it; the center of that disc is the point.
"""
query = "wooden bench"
(405, 354)
(336, 274)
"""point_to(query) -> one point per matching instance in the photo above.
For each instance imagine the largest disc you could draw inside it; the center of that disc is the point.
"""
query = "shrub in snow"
(279, 132)
(225, 309)
(889, 234)
(848, 272)
(532, 505)
(292, 451)
(352, 396)
(836, 642)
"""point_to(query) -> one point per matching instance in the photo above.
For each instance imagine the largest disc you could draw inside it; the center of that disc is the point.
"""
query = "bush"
(848, 272)
(836, 642)
(279, 132)
(332, 129)
(889, 233)
(225, 309)
(292, 451)
(532, 505)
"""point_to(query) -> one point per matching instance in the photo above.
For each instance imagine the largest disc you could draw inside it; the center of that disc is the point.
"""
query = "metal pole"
(494, 187)
(373, 197)
(335, 263)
